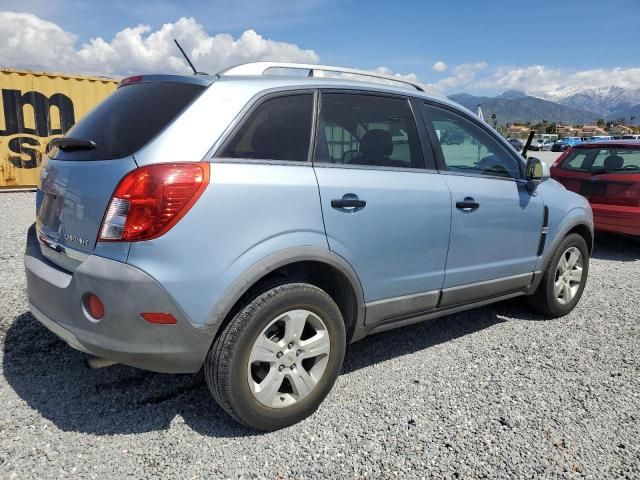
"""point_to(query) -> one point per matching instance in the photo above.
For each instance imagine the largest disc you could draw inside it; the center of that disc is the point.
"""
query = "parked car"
(536, 144)
(600, 138)
(515, 143)
(546, 145)
(187, 223)
(564, 143)
(630, 137)
(559, 146)
(608, 175)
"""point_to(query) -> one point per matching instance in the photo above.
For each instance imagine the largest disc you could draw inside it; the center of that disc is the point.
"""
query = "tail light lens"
(150, 200)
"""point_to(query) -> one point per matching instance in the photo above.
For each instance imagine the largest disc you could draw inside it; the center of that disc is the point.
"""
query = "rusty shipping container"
(36, 107)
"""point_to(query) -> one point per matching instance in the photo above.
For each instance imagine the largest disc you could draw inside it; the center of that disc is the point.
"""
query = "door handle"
(348, 203)
(468, 204)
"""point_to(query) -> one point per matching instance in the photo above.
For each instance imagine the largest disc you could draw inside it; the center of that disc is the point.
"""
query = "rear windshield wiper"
(68, 143)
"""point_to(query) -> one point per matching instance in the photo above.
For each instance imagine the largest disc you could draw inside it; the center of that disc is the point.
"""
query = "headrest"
(376, 142)
(613, 162)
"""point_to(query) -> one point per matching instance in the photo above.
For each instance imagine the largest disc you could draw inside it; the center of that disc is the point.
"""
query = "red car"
(608, 175)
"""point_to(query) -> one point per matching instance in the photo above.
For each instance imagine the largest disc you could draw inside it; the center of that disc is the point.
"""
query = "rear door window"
(367, 130)
(128, 119)
(278, 129)
(604, 160)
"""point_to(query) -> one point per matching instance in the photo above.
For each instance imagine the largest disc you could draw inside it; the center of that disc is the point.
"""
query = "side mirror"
(537, 172)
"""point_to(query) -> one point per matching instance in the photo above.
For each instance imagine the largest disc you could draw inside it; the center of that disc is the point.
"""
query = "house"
(518, 130)
(566, 130)
(591, 130)
(620, 130)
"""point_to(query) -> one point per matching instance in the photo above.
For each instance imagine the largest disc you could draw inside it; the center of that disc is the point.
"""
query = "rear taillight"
(150, 200)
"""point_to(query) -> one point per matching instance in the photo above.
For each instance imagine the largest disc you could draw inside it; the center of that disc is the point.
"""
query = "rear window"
(279, 129)
(603, 160)
(128, 119)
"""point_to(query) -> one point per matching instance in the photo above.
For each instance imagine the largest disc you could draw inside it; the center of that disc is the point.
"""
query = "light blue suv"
(254, 224)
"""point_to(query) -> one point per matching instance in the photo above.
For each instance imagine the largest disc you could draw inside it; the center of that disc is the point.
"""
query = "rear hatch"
(84, 168)
(608, 175)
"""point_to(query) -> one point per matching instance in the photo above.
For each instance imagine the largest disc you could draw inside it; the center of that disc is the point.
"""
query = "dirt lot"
(497, 392)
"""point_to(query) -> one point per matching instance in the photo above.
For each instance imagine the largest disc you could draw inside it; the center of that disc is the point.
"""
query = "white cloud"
(388, 71)
(29, 41)
(439, 66)
(463, 74)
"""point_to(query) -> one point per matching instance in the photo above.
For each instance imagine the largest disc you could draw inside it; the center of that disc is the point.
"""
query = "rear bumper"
(615, 218)
(55, 299)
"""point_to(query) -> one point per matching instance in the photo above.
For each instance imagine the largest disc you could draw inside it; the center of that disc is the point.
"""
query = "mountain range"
(581, 107)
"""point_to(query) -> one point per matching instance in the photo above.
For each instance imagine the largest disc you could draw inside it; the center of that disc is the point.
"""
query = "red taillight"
(130, 80)
(93, 305)
(159, 318)
(150, 200)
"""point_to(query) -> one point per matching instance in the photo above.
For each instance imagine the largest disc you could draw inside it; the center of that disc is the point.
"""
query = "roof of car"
(260, 83)
(371, 81)
(270, 81)
(610, 143)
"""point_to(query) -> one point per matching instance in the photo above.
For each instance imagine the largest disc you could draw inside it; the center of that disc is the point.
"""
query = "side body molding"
(279, 259)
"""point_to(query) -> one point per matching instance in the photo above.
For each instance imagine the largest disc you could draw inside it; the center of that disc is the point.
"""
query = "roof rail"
(259, 68)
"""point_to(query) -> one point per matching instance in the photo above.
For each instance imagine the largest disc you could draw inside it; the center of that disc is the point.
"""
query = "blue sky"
(480, 42)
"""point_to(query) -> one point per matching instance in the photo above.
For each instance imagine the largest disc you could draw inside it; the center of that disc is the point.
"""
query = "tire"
(545, 300)
(233, 380)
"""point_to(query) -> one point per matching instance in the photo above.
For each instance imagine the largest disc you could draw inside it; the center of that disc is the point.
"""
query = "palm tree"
(631, 119)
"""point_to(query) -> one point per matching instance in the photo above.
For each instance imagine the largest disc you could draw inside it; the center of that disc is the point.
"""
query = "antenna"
(195, 72)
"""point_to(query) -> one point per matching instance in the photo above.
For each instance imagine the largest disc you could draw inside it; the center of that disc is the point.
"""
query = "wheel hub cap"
(568, 275)
(288, 358)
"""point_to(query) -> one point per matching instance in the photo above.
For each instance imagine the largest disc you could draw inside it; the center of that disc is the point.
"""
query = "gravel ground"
(497, 392)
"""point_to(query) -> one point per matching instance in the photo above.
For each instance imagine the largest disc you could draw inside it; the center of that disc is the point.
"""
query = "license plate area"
(593, 189)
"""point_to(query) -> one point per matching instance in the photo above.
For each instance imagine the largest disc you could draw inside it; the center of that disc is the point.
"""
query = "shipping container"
(36, 107)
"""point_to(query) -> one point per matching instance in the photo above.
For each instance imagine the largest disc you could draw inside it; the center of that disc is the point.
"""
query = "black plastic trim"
(545, 230)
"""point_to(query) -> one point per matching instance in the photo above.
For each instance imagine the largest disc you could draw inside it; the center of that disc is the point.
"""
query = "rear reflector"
(93, 305)
(159, 318)
(152, 199)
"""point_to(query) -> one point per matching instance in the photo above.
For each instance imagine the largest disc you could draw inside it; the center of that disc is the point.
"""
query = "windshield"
(125, 121)
(603, 160)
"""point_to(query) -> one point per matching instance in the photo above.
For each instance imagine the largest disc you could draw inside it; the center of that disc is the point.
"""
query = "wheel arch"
(317, 266)
(576, 224)
(585, 232)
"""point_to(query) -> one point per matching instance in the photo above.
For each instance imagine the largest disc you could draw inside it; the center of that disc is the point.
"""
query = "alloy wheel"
(288, 358)
(568, 275)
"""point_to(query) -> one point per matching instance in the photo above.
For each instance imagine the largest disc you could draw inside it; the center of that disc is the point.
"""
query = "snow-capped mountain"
(579, 107)
(603, 100)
